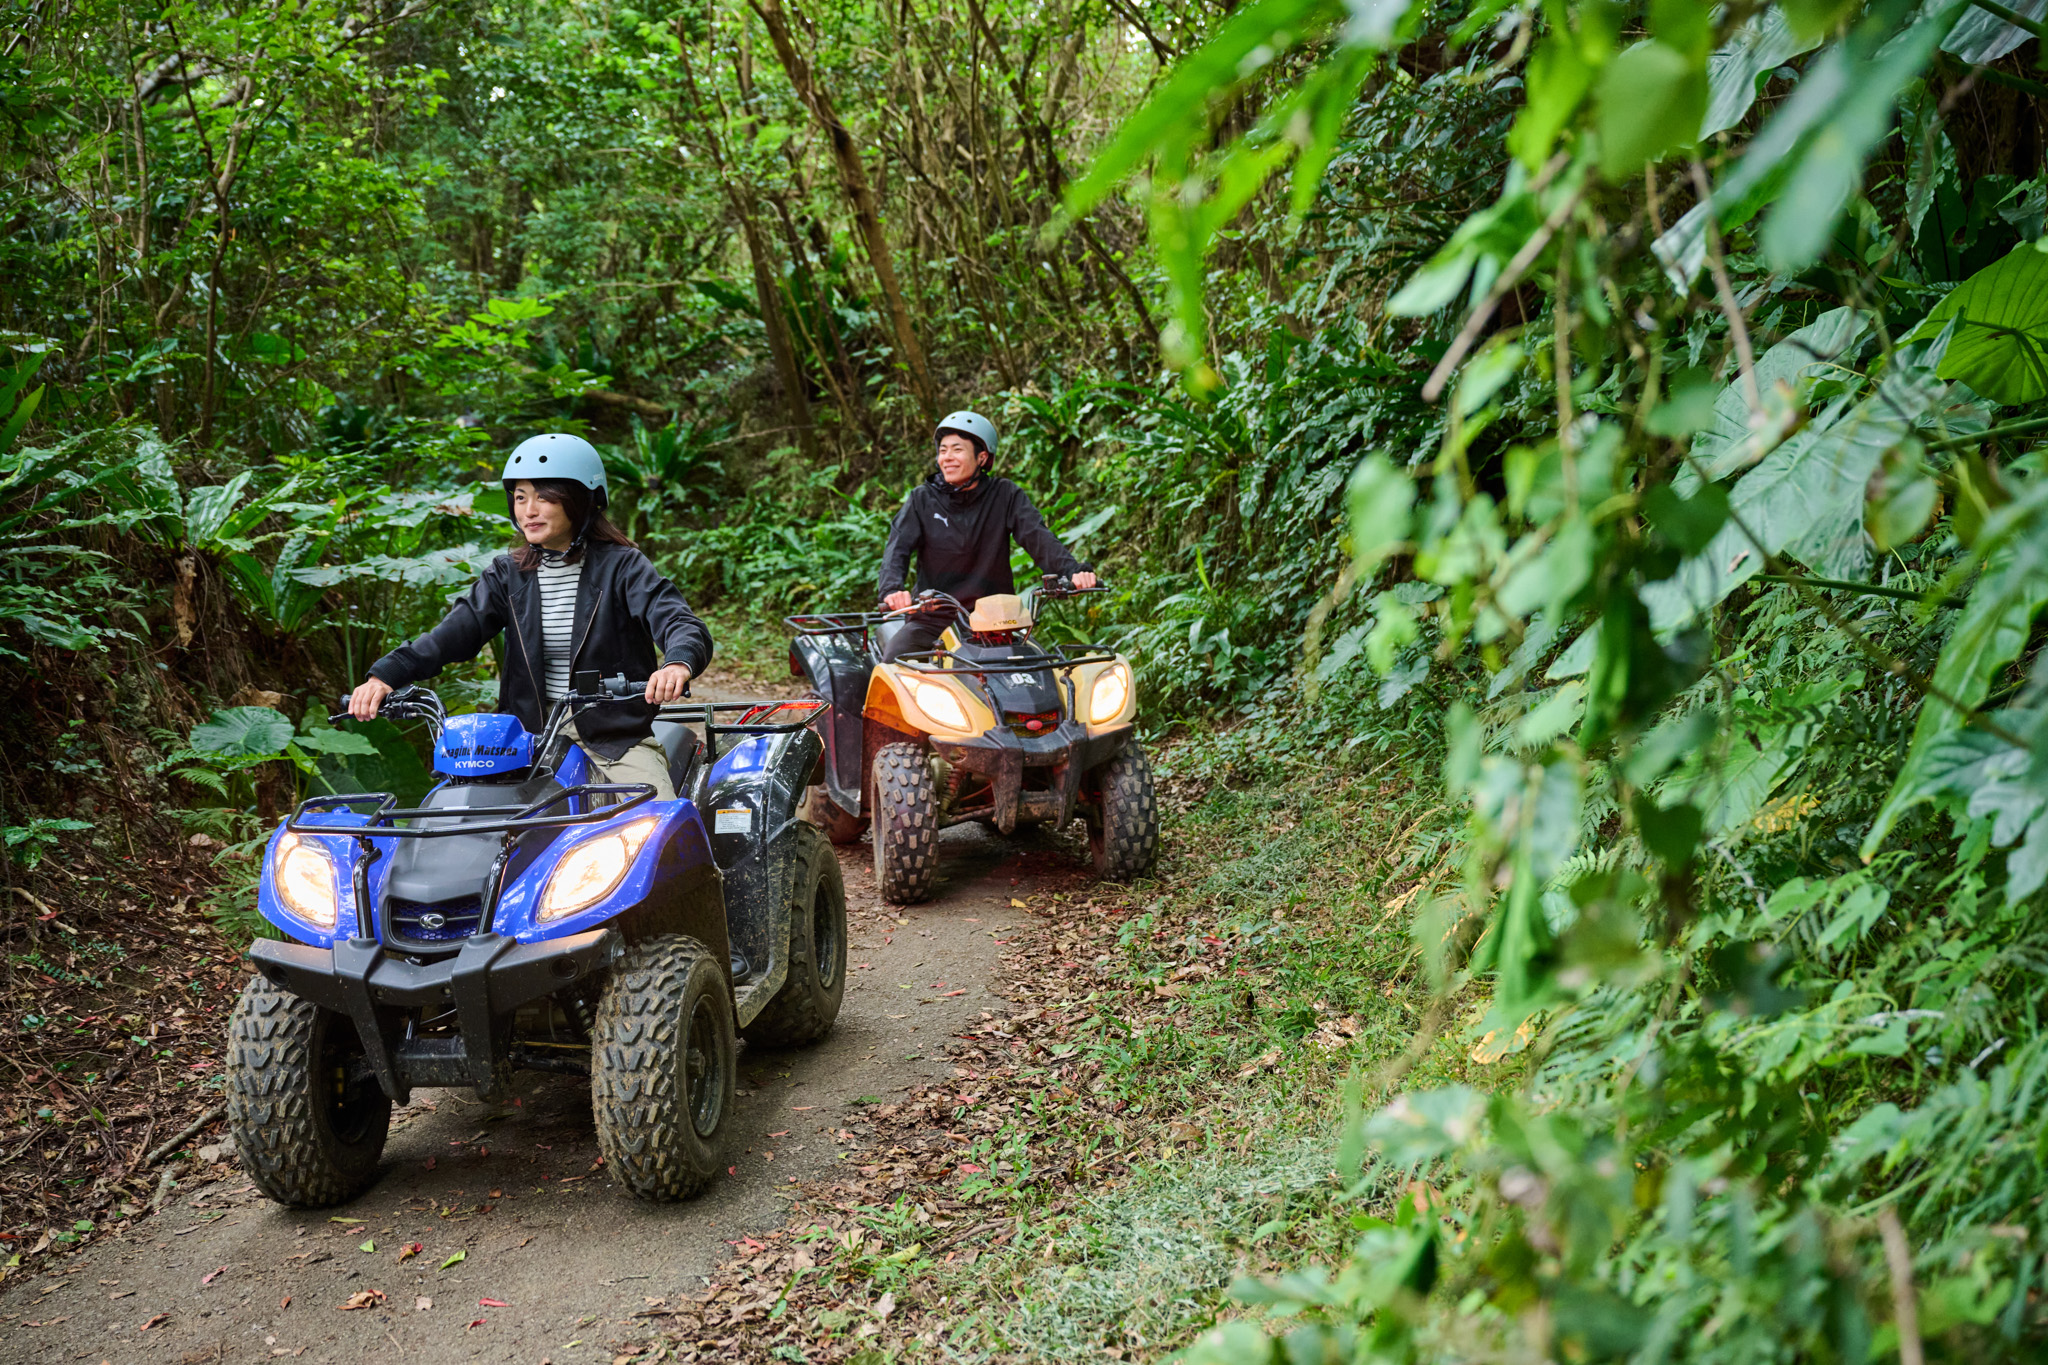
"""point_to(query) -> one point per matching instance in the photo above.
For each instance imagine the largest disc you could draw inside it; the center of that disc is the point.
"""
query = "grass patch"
(1163, 1114)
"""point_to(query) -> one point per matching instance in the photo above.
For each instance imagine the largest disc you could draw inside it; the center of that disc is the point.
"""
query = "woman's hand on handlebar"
(1084, 580)
(667, 684)
(364, 702)
(897, 601)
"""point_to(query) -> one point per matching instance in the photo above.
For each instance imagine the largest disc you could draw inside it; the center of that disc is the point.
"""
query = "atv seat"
(683, 747)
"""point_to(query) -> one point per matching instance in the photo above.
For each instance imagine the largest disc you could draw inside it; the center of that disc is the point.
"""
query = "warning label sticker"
(733, 820)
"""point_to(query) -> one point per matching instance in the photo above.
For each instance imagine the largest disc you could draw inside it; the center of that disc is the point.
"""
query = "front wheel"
(906, 835)
(308, 1122)
(803, 1010)
(821, 810)
(1124, 835)
(662, 1066)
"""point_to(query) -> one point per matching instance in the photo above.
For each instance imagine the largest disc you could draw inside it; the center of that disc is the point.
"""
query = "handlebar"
(1059, 585)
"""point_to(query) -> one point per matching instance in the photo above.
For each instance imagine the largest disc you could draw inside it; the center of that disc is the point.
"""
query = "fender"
(753, 794)
(837, 669)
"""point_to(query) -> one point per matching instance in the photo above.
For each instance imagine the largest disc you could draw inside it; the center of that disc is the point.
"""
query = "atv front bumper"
(484, 982)
(1002, 756)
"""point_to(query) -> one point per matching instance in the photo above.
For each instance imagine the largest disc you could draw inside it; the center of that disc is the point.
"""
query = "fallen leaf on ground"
(884, 1306)
(153, 1322)
(285, 1302)
(362, 1298)
(430, 1163)
(474, 1324)
(370, 1245)
(457, 1259)
(213, 1275)
(492, 1303)
(410, 1250)
(422, 1304)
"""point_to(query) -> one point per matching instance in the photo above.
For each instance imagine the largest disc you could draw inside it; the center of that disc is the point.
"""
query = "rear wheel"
(662, 1067)
(803, 1010)
(308, 1122)
(906, 834)
(1124, 835)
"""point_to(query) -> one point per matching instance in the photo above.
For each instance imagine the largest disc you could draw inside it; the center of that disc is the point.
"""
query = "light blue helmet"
(970, 424)
(557, 456)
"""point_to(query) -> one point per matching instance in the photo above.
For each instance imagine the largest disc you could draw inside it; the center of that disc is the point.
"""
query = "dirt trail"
(514, 1188)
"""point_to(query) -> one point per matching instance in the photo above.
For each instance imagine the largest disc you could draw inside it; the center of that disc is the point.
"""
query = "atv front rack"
(515, 819)
(933, 661)
(1053, 654)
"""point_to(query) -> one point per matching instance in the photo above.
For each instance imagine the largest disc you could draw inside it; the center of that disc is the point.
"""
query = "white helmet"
(557, 456)
(972, 425)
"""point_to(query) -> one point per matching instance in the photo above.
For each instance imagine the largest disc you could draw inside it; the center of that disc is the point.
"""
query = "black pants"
(911, 635)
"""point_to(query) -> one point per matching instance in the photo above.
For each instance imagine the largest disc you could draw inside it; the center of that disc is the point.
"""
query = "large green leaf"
(1992, 630)
(1995, 780)
(1806, 498)
(1759, 47)
(1981, 36)
(2000, 346)
(208, 509)
(395, 766)
(1814, 146)
(243, 732)
(1652, 98)
(335, 742)
(1729, 443)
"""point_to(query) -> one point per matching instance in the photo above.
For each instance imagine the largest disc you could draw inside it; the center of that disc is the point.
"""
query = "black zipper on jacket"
(520, 635)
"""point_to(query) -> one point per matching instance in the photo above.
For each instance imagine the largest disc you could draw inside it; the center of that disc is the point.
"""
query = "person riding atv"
(591, 887)
(577, 596)
(959, 524)
(952, 706)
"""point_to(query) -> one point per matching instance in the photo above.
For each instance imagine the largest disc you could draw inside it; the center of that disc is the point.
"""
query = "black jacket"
(629, 620)
(961, 537)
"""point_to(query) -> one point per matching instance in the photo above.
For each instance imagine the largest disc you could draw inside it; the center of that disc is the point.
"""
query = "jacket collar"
(965, 495)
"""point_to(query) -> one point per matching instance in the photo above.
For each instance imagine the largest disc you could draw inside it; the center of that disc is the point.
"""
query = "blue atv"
(524, 916)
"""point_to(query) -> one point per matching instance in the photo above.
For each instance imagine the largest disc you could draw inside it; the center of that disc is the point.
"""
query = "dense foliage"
(1621, 412)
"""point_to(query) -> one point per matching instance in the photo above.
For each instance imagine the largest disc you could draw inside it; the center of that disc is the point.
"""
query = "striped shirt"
(558, 619)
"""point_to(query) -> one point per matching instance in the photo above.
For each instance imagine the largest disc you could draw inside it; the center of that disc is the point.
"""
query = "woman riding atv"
(959, 524)
(577, 597)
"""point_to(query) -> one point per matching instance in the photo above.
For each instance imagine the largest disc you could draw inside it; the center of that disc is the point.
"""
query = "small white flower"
(498, 92)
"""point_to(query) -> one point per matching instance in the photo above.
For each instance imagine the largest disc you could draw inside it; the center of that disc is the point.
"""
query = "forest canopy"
(1619, 418)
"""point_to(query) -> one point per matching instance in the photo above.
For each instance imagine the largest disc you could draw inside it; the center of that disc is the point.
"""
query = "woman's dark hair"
(578, 501)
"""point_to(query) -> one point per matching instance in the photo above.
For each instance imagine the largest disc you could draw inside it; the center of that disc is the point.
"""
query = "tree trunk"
(773, 318)
(853, 179)
(770, 295)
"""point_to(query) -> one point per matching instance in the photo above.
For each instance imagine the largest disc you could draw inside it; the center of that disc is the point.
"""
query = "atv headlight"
(937, 701)
(304, 877)
(592, 870)
(1109, 695)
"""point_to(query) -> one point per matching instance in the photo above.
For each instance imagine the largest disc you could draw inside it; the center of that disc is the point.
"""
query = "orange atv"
(991, 726)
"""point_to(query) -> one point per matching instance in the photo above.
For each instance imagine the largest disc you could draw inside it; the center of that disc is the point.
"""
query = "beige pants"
(644, 762)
